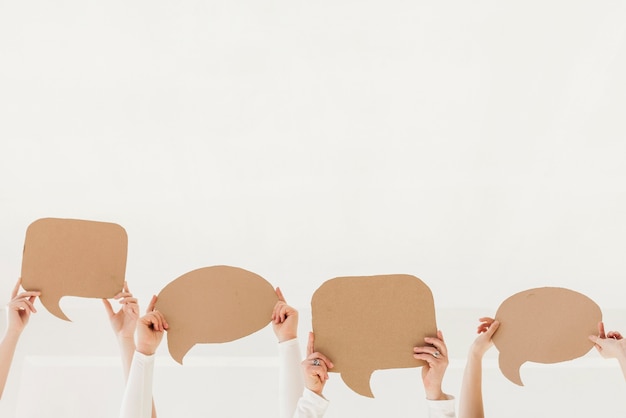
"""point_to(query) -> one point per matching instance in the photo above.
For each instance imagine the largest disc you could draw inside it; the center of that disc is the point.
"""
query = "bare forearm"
(471, 400)
(7, 350)
(622, 365)
(127, 350)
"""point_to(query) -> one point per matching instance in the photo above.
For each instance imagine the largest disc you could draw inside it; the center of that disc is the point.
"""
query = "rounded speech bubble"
(214, 305)
(72, 257)
(371, 323)
(544, 325)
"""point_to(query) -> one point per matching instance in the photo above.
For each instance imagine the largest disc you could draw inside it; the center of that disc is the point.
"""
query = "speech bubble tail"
(177, 349)
(51, 303)
(511, 371)
(359, 381)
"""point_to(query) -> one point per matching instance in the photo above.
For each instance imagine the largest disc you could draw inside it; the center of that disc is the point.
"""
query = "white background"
(477, 145)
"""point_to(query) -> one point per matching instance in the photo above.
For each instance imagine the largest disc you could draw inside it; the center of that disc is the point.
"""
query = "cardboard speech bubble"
(544, 325)
(214, 304)
(72, 257)
(371, 323)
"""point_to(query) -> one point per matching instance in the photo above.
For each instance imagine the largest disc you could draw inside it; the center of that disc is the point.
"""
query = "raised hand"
(150, 329)
(284, 319)
(436, 357)
(19, 308)
(124, 321)
(315, 368)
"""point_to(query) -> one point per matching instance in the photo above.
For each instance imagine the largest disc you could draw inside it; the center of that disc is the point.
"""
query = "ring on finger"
(316, 362)
(436, 354)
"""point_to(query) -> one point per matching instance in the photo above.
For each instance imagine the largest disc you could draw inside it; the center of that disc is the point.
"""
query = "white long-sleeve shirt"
(137, 401)
(290, 379)
(297, 402)
(441, 409)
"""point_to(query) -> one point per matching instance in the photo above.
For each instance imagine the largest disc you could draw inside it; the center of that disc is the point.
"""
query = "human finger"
(280, 295)
(428, 358)
(16, 288)
(152, 303)
(485, 323)
(317, 360)
(439, 345)
(434, 352)
(28, 294)
(108, 307)
(315, 372)
(129, 299)
(614, 334)
(310, 346)
(319, 356)
(601, 330)
(21, 304)
(154, 321)
(492, 328)
(316, 364)
(282, 313)
(596, 340)
(122, 295)
(162, 320)
(130, 306)
(30, 305)
(482, 328)
(276, 311)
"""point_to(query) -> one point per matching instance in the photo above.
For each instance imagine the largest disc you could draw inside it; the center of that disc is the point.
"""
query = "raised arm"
(290, 385)
(18, 313)
(124, 322)
(611, 345)
(471, 400)
(312, 403)
(435, 354)
(137, 401)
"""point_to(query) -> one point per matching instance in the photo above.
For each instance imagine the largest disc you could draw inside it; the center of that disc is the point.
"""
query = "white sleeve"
(137, 401)
(311, 405)
(441, 409)
(290, 380)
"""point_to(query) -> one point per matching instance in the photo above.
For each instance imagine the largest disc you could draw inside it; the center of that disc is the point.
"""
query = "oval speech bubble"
(371, 323)
(72, 257)
(544, 325)
(214, 305)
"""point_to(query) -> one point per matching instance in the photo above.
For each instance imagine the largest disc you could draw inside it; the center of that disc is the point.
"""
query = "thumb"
(108, 307)
(152, 304)
(279, 293)
(310, 347)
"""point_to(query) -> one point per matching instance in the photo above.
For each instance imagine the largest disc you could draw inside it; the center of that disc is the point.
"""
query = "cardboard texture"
(71, 257)
(371, 323)
(544, 325)
(214, 305)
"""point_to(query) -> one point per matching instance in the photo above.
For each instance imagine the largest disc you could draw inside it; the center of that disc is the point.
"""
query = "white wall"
(476, 145)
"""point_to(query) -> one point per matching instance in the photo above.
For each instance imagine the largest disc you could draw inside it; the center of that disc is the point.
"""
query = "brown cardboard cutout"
(370, 323)
(214, 305)
(544, 325)
(71, 257)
